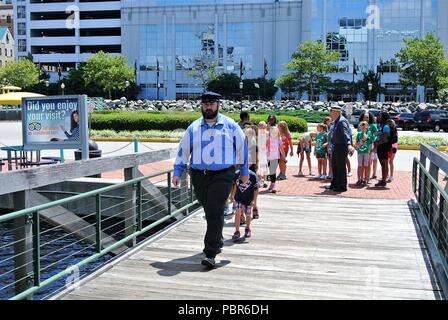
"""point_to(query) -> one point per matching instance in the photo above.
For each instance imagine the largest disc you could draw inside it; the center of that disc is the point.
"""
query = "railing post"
(36, 248)
(98, 223)
(135, 144)
(130, 198)
(184, 191)
(440, 219)
(23, 244)
(139, 206)
(169, 192)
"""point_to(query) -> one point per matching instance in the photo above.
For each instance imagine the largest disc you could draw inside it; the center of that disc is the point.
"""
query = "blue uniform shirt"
(213, 148)
(341, 132)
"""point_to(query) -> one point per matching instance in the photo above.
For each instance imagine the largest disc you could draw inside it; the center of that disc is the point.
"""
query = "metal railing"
(48, 254)
(432, 199)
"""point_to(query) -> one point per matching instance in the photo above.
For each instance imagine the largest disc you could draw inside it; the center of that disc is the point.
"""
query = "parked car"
(430, 120)
(405, 121)
(354, 118)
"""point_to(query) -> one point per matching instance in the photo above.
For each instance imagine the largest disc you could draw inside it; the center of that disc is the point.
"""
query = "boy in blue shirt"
(245, 196)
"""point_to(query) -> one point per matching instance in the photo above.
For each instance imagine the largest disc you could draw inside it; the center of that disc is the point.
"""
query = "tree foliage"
(422, 62)
(310, 66)
(22, 73)
(107, 71)
(362, 86)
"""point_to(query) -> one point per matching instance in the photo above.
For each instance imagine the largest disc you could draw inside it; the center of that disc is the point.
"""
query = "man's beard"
(209, 114)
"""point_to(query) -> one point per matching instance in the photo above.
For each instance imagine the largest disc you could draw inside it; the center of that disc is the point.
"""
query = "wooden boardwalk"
(301, 248)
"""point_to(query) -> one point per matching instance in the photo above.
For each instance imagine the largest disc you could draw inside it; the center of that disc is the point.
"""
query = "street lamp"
(370, 85)
(258, 87)
(47, 84)
(62, 87)
(241, 94)
(126, 83)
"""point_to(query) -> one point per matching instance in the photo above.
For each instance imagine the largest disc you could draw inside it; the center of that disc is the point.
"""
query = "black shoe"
(340, 190)
(209, 263)
(329, 187)
(381, 184)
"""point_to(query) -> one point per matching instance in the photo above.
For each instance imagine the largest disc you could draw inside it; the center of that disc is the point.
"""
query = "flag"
(265, 67)
(355, 68)
(241, 68)
(59, 69)
(135, 68)
(158, 67)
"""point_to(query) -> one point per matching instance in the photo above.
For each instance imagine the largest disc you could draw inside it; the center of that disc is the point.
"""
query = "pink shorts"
(245, 209)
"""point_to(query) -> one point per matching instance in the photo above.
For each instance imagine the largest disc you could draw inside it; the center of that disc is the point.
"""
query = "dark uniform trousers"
(338, 165)
(212, 189)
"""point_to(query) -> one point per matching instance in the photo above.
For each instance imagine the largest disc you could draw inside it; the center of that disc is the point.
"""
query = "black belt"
(210, 172)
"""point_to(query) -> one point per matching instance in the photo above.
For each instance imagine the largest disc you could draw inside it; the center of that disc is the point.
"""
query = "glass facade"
(368, 31)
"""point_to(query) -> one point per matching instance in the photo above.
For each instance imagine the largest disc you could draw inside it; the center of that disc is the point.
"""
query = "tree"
(340, 90)
(311, 64)
(363, 85)
(226, 84)
(76, 84)
(204, 70)
(422, 62)
(288, 84)
(108, 72)
(265, 91)
(22, 73)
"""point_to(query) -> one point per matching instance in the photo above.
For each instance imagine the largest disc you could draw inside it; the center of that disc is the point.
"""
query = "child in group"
(245, 196)
(303, 148)
(274, 154)
(328, 146)
(394, 148)
(263, 169)
(320, 152)
(286, 137)
(251, 135)
(363, 145)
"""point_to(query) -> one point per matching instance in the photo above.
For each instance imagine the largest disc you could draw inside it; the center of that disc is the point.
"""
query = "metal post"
(183, 191)
(61, 152)
(139, 206)
(36, 248)
(23, 244)
(169, 192)
(130, 198)
(98, 223)
(135, 144)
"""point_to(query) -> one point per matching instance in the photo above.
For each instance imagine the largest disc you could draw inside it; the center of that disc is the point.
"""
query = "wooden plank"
(13, 181)
(301, 251)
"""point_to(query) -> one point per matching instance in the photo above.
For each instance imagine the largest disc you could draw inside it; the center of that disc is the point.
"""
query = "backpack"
(393, 136)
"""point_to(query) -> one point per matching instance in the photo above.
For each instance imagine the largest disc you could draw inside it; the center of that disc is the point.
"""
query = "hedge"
(141, 121)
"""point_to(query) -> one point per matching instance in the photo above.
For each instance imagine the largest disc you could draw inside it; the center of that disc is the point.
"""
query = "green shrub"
(168, 121)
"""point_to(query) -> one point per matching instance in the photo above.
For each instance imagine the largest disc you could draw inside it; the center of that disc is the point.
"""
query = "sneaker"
(280, 177)
(247, 233)
(208, 262)
(391, 178)
(300, 174)
(381, 184)
(374, 177)
(323, 177)
(272, 191)
(359, 183)
(349, 174)
(236, 235)
(255, 214)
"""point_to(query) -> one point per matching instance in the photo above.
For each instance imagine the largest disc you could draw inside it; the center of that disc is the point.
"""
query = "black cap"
(210, 96)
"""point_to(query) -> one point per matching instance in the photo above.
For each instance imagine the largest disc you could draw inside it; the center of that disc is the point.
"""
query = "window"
(22, 45)
(21, 28)
(21, 12)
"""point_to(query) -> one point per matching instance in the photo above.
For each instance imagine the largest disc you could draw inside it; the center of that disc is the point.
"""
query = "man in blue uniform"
(342, 145)
(212, 145)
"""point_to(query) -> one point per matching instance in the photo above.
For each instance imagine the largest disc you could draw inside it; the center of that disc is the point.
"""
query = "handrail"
(133, 217)
(433, 202)
(81, 196)
(100, 254)
(437, 158)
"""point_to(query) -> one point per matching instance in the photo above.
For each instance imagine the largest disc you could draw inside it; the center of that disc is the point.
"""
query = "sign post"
(56, 122)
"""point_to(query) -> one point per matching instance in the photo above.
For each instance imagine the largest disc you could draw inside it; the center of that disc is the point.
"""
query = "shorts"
(374, 156)
(392, 152)
(307, 149)
(245, 209)
(383, 151)
(363, 159)
(321, 156)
